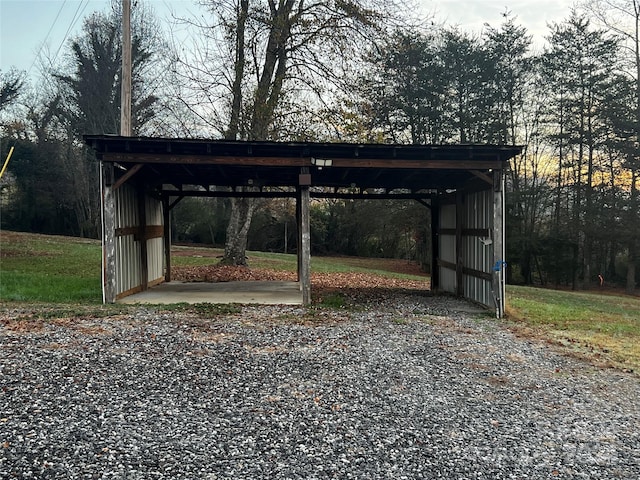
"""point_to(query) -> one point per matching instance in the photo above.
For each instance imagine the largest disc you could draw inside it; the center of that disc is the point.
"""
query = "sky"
(32, 29)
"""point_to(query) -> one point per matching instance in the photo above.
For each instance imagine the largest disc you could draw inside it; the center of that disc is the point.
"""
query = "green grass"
(190, 256)
(354, 264)
(275, 261)
(603, 327)
(39, 268)
(60, 276)
(334, 301)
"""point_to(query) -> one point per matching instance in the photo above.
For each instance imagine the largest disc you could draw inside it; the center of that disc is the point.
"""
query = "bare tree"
(258, 53)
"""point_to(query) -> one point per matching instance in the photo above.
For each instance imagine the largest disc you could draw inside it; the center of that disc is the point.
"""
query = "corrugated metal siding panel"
(478, 290)
(155, 246)
(447, 248)
(127, 255)
(153, 211)
(478, 214)
(155, 259)
(448, 216)
(447, 280)
(127, 250)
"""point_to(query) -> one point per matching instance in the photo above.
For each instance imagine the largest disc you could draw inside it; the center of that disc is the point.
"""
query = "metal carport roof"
(207, 163)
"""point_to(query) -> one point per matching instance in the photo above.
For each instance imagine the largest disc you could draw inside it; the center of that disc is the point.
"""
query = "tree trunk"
(241, 208)
(631, 271)
(633, 243)
(236, 102)
(237, 231)
(266, 98)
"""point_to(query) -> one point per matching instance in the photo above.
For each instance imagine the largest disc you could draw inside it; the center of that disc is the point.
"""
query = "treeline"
(573, 210)
(574, 104)
(367, 228)
(52, 183)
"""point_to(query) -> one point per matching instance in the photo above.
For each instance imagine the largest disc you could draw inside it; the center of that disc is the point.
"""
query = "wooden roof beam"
(451, 164)
(127, 175)
(483, 176)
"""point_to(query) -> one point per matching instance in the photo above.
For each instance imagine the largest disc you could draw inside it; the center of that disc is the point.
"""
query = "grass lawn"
(42, 268)
(605, 328)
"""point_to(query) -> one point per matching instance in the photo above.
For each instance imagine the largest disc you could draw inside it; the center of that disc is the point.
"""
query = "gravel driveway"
(411, 388)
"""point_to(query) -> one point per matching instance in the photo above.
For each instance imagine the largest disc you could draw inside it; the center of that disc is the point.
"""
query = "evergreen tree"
(581, 62)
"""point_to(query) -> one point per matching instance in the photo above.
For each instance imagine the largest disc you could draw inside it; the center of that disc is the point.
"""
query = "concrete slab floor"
(260, 292)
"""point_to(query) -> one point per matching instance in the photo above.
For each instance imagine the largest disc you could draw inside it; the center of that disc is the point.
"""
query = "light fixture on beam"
(321, 162)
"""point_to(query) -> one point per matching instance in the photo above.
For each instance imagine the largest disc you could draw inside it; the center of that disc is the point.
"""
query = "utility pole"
(125, 92)
(109, 204)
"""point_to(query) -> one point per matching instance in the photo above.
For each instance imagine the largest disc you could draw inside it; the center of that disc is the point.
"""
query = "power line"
(77, 15)
(46, 37)
(75, 18)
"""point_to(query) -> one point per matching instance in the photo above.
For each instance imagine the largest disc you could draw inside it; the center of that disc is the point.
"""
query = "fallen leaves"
(355, 280)
(321, 283)
(356, 287)
(228, 273)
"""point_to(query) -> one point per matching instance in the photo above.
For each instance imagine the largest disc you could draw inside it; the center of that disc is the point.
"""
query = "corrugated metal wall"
(447, 248)
(155, 246)
(476, 245)
(128, 266)
(478, 255)
(128, 248)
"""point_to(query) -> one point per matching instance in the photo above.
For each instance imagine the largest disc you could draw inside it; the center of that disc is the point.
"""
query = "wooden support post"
(304, 227)
(435, 244)
(166, 213)
(499, 251)
(125, 130)
(299, 236)
(108, 234)
(305, 270)
(459, 252)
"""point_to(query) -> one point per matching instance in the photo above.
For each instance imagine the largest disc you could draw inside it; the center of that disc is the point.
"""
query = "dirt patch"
(22, 324)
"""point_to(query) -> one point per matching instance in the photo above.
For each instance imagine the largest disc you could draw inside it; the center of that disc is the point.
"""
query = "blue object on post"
(497, 268)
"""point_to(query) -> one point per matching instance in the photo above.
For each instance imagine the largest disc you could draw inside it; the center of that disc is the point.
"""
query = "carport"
(142, 179)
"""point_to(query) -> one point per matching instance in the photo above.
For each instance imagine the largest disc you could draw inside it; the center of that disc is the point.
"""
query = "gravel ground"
(411, 388)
